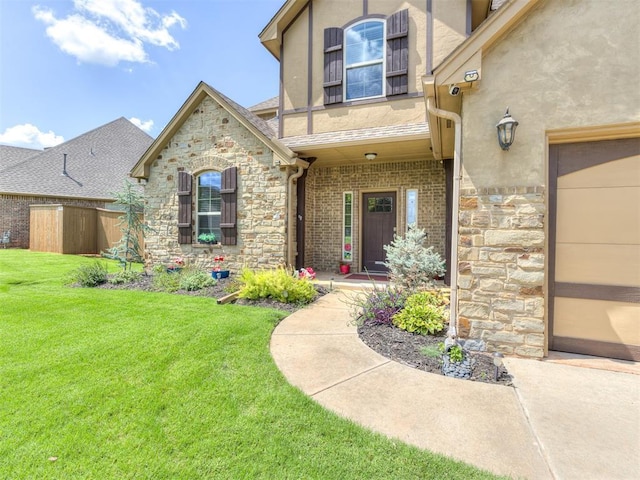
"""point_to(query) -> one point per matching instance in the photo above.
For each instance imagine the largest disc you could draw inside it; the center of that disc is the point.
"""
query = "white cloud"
(146, 126)
(107, 32)
(29, 136)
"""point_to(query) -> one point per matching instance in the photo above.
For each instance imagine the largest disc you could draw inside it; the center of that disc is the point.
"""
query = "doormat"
(377, 277)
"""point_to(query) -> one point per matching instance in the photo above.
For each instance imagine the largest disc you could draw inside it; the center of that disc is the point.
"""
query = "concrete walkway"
(560, 421)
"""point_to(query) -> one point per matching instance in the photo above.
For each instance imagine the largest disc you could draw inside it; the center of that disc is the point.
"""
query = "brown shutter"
(185, 181)
(229, 195)
(332, 65)
(398, 53)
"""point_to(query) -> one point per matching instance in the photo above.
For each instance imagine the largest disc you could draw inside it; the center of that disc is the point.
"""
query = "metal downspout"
(291, 217)
(457, 149)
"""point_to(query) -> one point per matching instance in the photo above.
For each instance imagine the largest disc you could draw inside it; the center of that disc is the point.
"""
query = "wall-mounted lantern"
(506, 131)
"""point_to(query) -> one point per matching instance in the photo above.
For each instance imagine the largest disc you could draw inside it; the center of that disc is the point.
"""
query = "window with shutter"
(367, 60)
(184, 208)
(209, 204)
(332, 65)
(364, 60)
(398, 53)
(229, 195)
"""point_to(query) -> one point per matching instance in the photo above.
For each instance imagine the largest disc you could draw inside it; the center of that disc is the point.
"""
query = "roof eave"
(271, 34)
(141, 169)
(467, 57)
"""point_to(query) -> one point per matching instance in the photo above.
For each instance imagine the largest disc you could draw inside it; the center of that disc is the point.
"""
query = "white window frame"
(411, 203)
(197, 202)
(382, 61)
(346, 256)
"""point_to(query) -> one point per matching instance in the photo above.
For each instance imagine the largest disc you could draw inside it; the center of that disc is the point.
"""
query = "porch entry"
(594, 245)
(378, 227)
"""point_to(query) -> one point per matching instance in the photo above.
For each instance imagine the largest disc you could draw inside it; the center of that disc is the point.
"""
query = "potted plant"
(176, 265)
(218, 270)
(345, 268)
(208, 238)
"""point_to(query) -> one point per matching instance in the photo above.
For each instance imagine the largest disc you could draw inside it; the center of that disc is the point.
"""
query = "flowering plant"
(217, 266)
(308, 273)
(176, 264)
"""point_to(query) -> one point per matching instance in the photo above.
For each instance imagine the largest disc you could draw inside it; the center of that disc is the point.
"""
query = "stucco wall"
(212, 139)
(391, 111)
(325, 186)
(569, 64)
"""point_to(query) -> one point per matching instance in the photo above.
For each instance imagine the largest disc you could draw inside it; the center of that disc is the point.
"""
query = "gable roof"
(465, 58)
(259, 127)
(270, 104)
(271, 35)
(10, 155)
(97, 164)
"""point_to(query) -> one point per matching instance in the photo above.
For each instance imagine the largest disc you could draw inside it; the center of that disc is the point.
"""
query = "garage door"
(594, 255)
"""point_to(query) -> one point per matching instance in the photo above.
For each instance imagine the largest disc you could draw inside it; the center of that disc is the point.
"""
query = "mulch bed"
(222, 288)
(404, 347)
(387, 340)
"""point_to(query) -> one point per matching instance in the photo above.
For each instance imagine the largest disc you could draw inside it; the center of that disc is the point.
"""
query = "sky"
(69, 66)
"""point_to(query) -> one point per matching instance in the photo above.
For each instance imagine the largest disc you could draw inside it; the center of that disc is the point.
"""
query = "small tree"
(128, 249)
(412, 265)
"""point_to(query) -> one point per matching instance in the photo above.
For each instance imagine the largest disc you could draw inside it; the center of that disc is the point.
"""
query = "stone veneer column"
(501, 269)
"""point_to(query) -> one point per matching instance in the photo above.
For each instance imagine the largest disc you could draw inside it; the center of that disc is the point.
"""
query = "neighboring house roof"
(97, 164)
(252, 122)
(10, 155)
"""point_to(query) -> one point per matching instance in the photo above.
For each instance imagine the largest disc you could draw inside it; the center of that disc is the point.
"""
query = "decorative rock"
(462, 369)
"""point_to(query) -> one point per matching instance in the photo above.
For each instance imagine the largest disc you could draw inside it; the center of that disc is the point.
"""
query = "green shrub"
(456, 354)
(166, 282)
(413, 266)
(125, 276)
(423, 313)
(192, 279)
(90, 275)
(278, 284)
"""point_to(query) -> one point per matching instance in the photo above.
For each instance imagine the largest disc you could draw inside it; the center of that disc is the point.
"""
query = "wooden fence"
(73, 230)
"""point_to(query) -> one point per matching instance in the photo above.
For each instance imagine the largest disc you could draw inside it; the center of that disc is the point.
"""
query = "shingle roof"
(98, 162)
(257, 122)
(266, 105)
(347, 136)
(10, 155)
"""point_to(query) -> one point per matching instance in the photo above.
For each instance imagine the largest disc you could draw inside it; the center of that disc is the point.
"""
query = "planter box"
(220, 274)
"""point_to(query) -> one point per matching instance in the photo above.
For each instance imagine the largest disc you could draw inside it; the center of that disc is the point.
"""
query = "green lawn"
(115, 384)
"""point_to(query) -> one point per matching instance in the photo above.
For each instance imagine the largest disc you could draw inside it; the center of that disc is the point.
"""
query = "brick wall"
(501, 269)
(14, 214)
(212, 139)
(325, 186)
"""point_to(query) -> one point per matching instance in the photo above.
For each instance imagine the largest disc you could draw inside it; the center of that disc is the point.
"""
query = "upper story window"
(364, 66)
(368, 59)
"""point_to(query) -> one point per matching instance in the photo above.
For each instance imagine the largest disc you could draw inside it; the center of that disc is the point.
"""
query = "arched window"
(364, 60)
(209, 204)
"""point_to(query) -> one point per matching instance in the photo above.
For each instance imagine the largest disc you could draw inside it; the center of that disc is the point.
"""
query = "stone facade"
(502, 269)
(15, 214)
(324, 190)
(212, 139)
